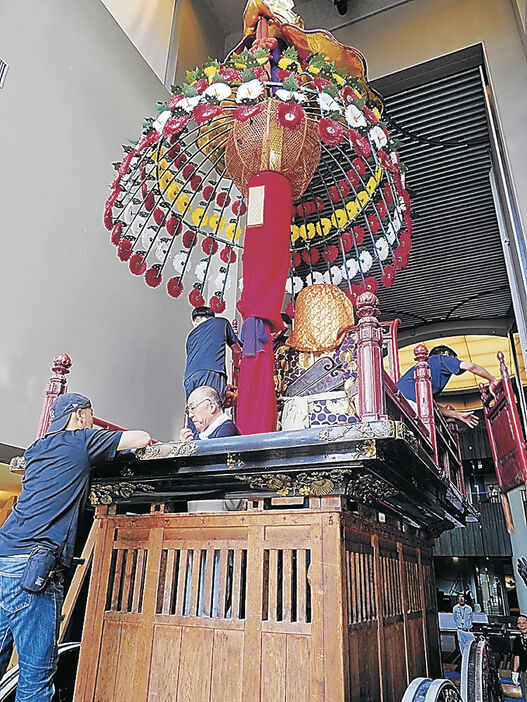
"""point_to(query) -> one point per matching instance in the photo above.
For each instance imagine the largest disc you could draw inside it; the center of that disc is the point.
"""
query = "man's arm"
(468, 417)
(133, 440)
(479, 370)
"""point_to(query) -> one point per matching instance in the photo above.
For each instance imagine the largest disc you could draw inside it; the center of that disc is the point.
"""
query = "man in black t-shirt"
(519, 649)
(44, 522)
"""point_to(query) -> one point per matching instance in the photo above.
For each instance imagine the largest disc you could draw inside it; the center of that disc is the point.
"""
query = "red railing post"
(57, 385)
(423, 393)
(369, 359)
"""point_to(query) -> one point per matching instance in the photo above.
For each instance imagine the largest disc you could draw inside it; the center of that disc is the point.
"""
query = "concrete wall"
(415, 32)
(75, 91)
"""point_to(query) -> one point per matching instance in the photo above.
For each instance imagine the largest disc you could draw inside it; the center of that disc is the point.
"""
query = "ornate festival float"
(273, 172)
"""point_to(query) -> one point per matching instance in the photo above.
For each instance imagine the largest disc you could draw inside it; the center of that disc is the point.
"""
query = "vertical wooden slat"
(252, 650)
(222, 585)
(286, 584)
(236, 583)
(138, 579)
(127, 580)
(116, 587)
(207, 587)
(273, 584)
(403, 584)
(378, 579)
(182, 579)
(194, 583)
(424, 627)
(301, 564)
(169, 580)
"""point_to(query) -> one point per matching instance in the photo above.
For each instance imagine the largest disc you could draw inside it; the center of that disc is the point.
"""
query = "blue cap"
(62, 408)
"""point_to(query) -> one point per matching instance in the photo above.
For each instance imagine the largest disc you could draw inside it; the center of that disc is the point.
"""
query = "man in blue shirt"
(206, 345)
(463, 620)
(444, 363)
(44, 520)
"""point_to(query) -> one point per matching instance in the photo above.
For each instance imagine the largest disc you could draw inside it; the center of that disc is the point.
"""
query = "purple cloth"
(253, 336)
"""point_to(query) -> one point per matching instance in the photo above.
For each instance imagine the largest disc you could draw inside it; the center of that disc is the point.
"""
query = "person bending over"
(205, 409)
(519, 649)
(206, 345)
(38, 538)
(444, 363)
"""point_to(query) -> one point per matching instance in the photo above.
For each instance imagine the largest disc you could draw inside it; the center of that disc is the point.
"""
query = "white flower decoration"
(179, 261)
(199, 270)
(219, 91)
(189, 103)
(378, 137)
(294, 286)
(287, 95)
(366, 261)
(401, 207)
(391, 233)
(218, 282)
(250, 90)
(161, 251)
(129, 212)
(336, 274)
(354, 117)
(328, 104)
(352, 269)
(240, 284)
(162, 120)
(147, 237)
(137, 226)
(382, 248)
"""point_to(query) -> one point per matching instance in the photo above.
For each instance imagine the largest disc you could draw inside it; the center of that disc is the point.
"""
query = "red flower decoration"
(230, 74)
(381, 209)
(400, 258)
(361, 145)
(358, 234)
(144, 190)
(369, 114)
(195, 298)
(153, 276)
(173, 152)
(330, 254)
(174, 287)
(195, 183)
(296, 259)
(321, 83)
(174, 101)
(147, 140)
(223, 198)
(125, 164)
(150, 202)
(189, 239)
(290, 115)
(386, 161)
(116, 233)
(205, 112)
(261, 73)
(405, 243)
(347, 241)
(209, 246)
(124, 249)
(311, 256)
(216, 304)
(319, 202)
(329, 131)
(359, 165)
(208, 192)
(173, 225)
(374, 223)
(334, 194)
(388, 278)
(174, 126)
(388, 195)
(159, 216)
(228, 255)
(137, 264)
(353, 177)
(180, 161)
(344, 187)
(201, 84)
(245, 112)
(371, 284)
(239, 207)
(348, 94)
(283, 73)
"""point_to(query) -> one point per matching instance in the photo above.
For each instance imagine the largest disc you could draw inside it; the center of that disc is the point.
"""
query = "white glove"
(516, 678)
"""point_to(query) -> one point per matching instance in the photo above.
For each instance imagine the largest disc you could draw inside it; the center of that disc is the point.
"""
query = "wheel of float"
(442, 691)
(480, 680)
(416, 690)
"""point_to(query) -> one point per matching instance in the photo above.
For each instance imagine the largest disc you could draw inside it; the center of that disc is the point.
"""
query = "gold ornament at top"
(323, 315)
(282, 10)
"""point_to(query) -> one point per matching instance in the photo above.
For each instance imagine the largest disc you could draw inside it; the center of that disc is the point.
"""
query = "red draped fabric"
(265, 270)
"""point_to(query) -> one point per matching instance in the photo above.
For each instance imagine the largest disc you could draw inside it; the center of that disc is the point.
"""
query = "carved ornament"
(368, 489)
(317, 483)
(105, 494)
(170, 449)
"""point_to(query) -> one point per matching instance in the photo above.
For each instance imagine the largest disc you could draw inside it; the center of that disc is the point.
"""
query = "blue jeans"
(30, 621)
(464, 637)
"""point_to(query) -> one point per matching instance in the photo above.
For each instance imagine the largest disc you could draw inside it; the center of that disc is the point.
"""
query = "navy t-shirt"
(441, 368)
(206, 346)
(54, 490)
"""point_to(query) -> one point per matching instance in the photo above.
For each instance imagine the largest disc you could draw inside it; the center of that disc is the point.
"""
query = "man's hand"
(186, 434)
(493, 385)
(469, 418)
(516, 678)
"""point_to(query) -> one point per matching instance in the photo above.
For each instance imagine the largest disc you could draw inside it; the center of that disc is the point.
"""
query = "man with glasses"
(205, 410)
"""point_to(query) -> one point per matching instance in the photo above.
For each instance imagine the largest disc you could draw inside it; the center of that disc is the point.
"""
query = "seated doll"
(323, 327)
